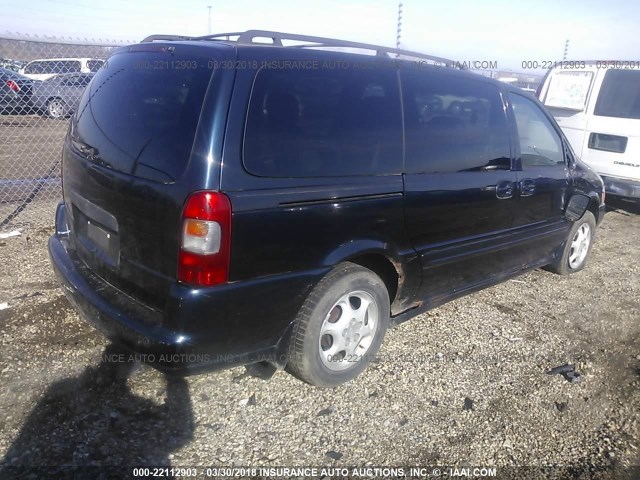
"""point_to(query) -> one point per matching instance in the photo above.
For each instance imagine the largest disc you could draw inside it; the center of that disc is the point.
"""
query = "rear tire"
(577, 248)
(340, 327)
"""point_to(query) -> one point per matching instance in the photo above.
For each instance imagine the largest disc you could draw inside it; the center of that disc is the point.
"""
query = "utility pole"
(566, 50)
(209, 7)
(399, 29)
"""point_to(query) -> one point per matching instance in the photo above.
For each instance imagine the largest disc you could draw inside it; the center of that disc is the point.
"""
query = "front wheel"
(56, 108)
(577, 248)
(340, 327)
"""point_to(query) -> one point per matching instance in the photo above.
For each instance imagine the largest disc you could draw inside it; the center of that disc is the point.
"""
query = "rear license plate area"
(97, 239)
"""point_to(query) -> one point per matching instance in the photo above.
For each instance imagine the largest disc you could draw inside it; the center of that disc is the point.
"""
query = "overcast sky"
(506, 31)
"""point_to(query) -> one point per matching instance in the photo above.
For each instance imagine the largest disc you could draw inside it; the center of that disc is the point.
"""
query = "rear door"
(459, 185)
(140, 142)
(313, 166)
(612, 140)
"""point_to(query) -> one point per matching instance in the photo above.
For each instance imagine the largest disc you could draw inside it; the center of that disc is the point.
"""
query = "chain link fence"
(41, 81)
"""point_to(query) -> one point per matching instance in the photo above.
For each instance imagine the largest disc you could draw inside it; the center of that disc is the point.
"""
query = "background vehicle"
(45, 68)
(597, 105)
(253, 208)
(15, 92)
(58, 97)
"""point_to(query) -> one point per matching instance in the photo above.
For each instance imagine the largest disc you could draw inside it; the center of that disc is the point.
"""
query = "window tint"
(142, 121)
(33, 68)
(94, 65)
(83, 80)
(76, 81)
(540, 144)
(63, 66)
(316, 123)
(453, 124)
(11, 75)
(619, 95)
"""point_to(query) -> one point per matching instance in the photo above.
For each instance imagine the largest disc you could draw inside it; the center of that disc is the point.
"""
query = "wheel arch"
(377, 257)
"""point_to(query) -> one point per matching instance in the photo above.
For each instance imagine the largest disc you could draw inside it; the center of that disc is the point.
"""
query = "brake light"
(13, 86)
(205, 243)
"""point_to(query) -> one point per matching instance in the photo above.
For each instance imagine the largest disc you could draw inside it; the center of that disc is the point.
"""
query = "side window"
(94, 65)
(62, 66)
(83, 80)
(52, 66)
(453, 124)
(540, 144)
(33, 68)
(322, 123)
(76, 81)
(619, 95)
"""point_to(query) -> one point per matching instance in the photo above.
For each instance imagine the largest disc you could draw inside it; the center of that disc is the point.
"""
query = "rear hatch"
(131, 158)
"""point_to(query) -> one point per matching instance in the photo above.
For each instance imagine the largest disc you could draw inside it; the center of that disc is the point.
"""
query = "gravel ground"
(489, 351)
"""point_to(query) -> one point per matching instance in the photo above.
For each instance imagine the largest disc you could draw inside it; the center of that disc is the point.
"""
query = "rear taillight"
(13, 86)
(205, 242)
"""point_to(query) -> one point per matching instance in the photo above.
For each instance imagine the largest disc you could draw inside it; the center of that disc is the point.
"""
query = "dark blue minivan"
(232, 202)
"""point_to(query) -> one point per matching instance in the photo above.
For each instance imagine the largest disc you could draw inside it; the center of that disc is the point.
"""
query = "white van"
(597, 105)
(45, 68)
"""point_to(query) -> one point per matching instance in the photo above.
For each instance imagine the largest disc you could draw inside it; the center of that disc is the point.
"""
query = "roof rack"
(249, 38)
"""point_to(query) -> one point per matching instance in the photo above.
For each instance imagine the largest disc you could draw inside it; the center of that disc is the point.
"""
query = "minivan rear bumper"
(199, 329)
(621, 187)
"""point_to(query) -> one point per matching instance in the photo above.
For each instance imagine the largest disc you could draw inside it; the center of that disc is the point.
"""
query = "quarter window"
(453, 124)
(540, 144)
(323, 123)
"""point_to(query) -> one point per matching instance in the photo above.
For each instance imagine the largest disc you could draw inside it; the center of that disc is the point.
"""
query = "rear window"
(34, 68)
(619, 95)
(11, 75)
(324, 123)
(141, 110)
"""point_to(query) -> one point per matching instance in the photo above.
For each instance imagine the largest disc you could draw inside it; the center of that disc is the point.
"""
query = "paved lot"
(492, 348)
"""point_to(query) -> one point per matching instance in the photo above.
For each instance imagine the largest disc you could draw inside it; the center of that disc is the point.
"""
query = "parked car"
(59, 96)
(15, 92)
(11, 64)
(284, 206)
(45, 68)
(597, 105)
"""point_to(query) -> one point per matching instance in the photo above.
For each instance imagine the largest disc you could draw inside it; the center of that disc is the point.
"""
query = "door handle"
(527, 187)
(504, 189)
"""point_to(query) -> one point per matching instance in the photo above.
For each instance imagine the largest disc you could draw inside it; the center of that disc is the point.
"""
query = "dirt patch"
(491, 350)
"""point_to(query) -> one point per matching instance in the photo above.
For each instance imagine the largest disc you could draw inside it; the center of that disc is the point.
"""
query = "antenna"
(209, 7)
(399, 30)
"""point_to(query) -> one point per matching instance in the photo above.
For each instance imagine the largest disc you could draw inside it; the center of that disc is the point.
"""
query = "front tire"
(340, 327)
(56, 109)
(577, 247)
